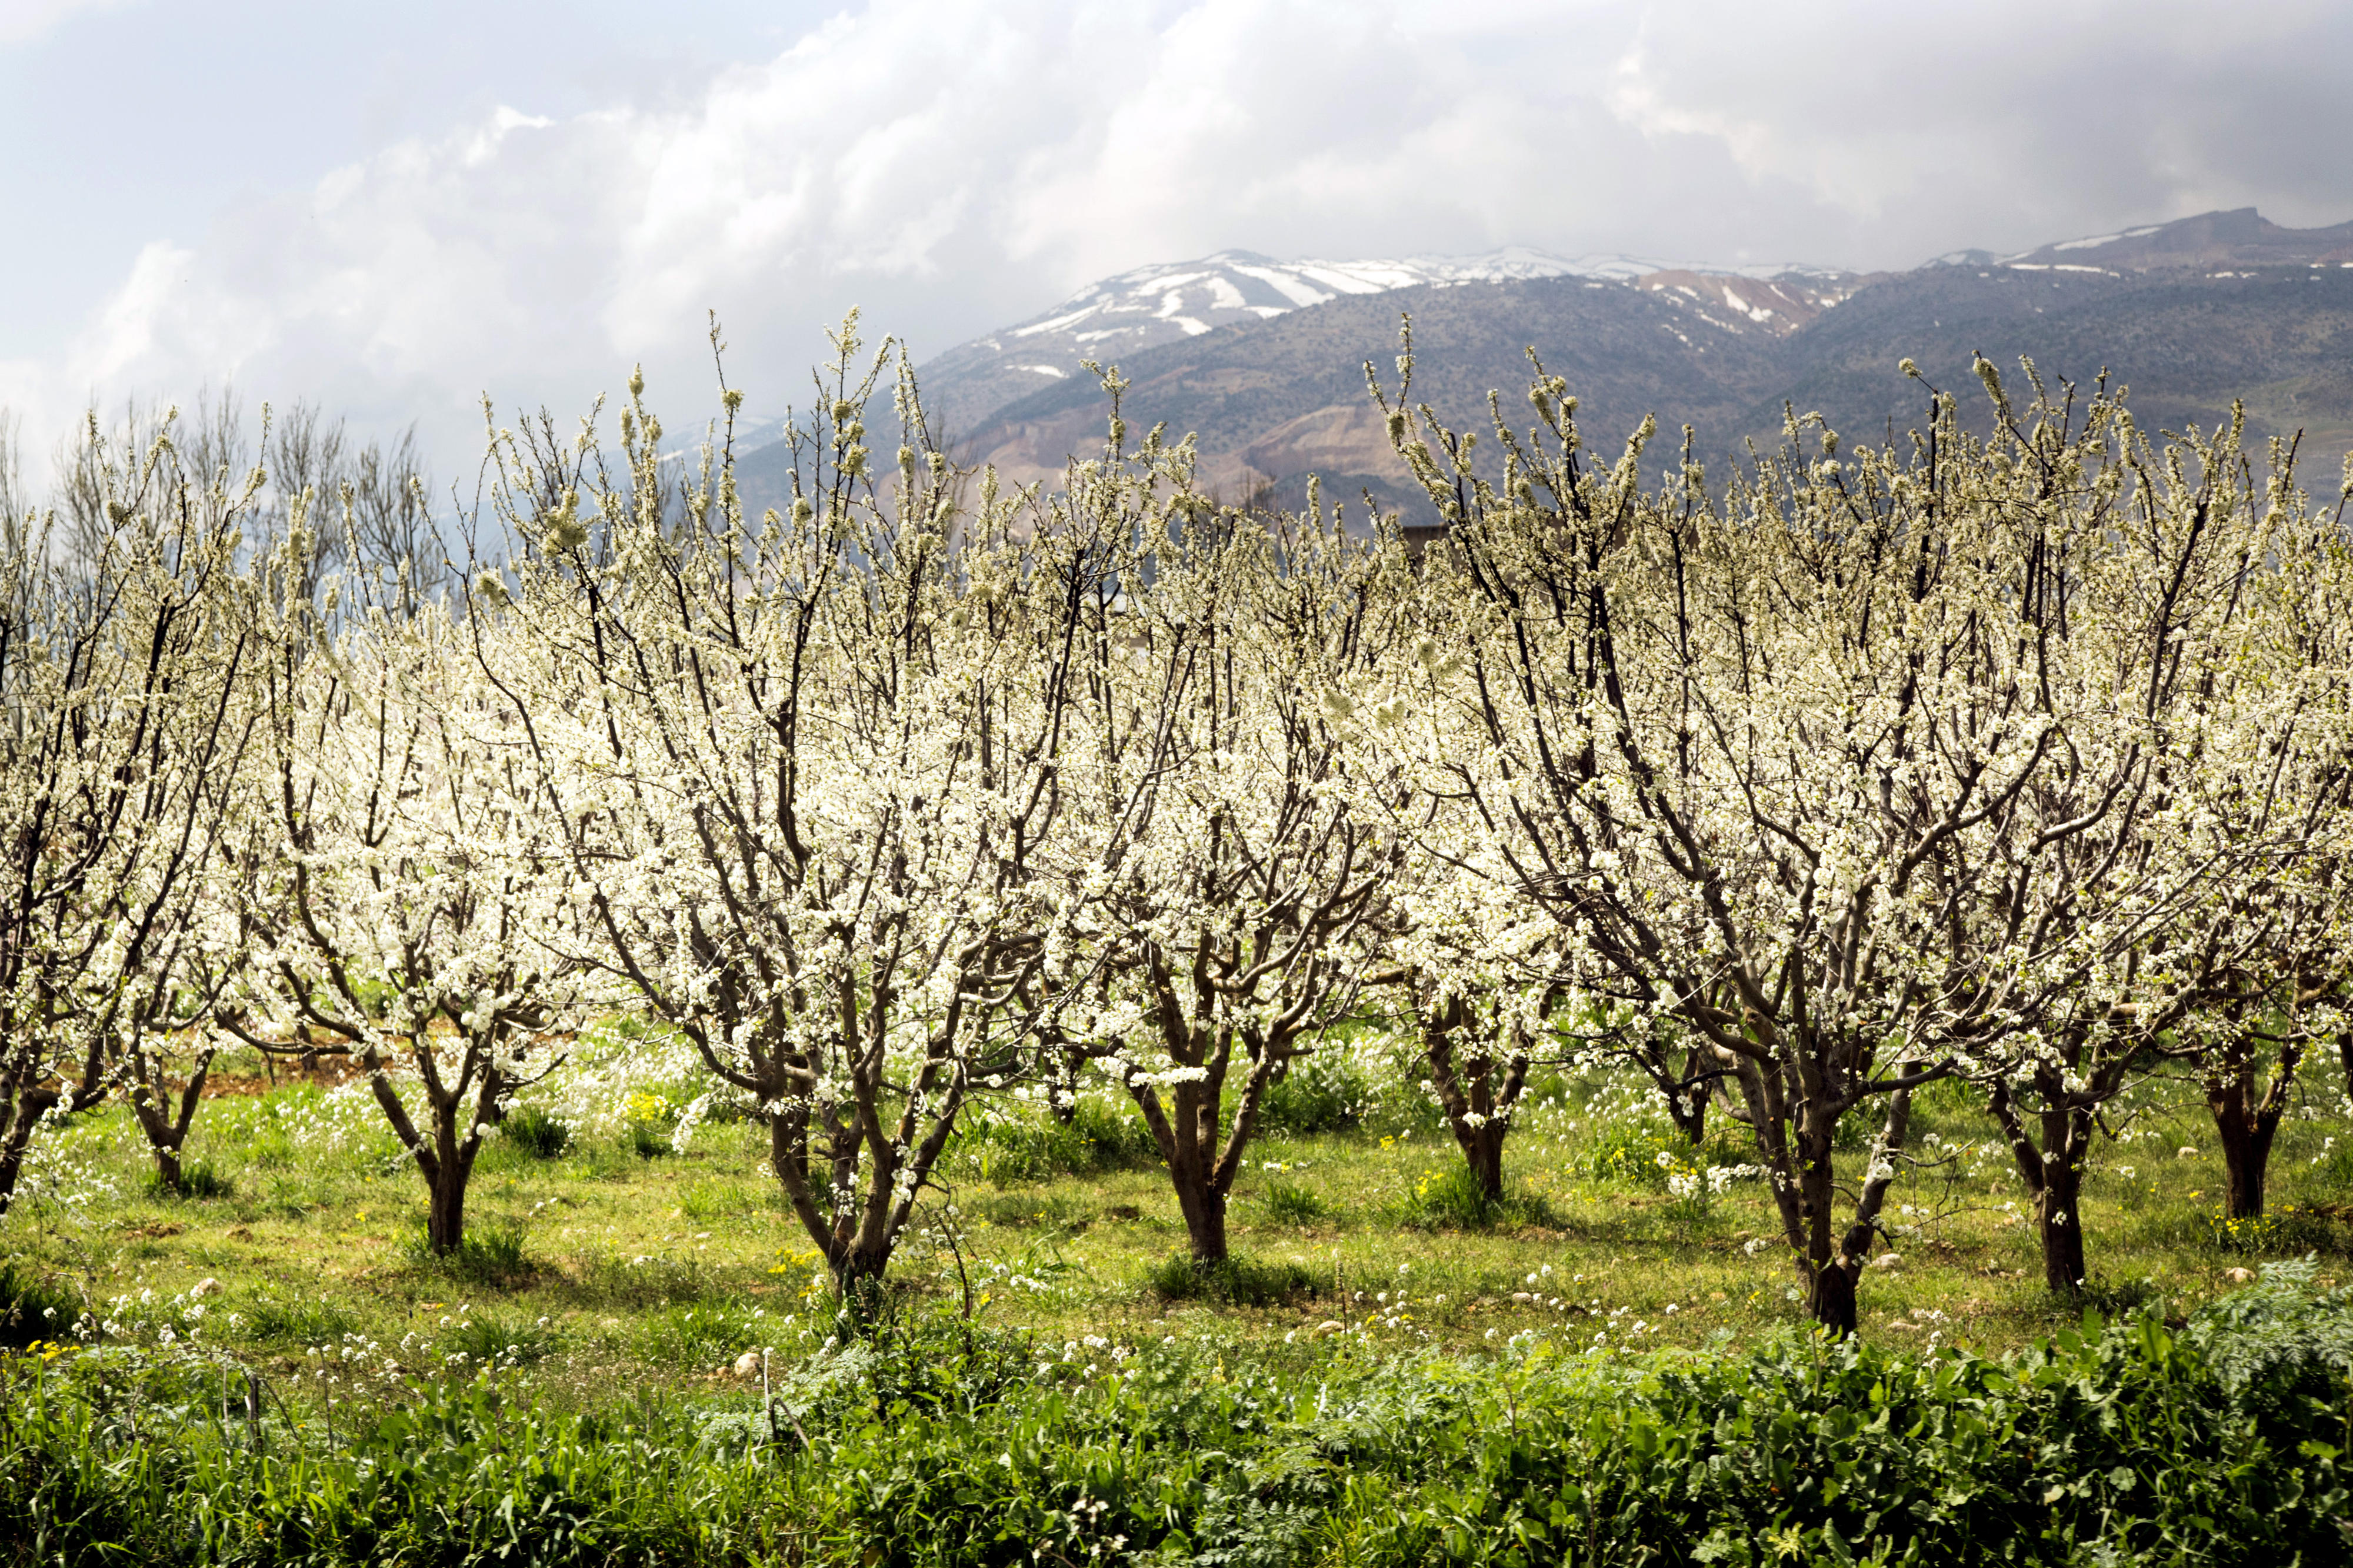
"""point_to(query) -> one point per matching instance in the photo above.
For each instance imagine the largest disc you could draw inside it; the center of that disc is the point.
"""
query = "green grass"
(607, 1293)
(1067, 1228)
(1294, 1203)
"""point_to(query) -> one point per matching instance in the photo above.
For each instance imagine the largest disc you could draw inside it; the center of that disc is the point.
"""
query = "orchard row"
(2017, 753)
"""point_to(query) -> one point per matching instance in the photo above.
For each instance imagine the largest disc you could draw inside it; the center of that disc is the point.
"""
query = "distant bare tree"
(389, 524)
(15, 504)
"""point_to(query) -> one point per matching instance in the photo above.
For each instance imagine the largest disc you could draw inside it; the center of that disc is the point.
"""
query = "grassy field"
(620, 1260)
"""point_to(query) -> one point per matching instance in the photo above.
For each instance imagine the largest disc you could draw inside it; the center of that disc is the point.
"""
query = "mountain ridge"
(2188, 315)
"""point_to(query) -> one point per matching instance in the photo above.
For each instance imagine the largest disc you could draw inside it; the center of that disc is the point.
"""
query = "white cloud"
(24, 21)
(2014, 116)
(955, 167)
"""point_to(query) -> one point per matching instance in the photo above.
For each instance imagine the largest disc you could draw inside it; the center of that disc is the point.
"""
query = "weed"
(34, 1311)
(653, 1121)
(697, 1335)
(939, 1441)
(1452, 1199)
(1646, 1153)
(2121, 1300)
(1630, 1152)
(533, 1130)
(707, 1201)
(606, 1161)
(1354, 1079)
(198, 1180)
(1289, 1202)
(1230, 1281)
(607, 1280)
(2288, 1231)
(494, 1339)
(298, 1322)
(1318, 1094)
(1028, 1147)
(493, 1256)
(2334, 1162)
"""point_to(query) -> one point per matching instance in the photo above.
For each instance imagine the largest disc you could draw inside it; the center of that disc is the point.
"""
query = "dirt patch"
(328, 1072)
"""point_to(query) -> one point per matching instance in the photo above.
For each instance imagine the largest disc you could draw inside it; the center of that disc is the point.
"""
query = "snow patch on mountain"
(1114, 318)
(1149, 305)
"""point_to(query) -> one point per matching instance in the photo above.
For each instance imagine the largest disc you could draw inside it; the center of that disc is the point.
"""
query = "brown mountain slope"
(1275, 401)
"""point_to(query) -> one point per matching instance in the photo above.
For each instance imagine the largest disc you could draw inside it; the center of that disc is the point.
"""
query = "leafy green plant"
(927, 1440)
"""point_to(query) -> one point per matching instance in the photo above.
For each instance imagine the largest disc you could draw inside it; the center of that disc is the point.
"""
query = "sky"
(395, 211)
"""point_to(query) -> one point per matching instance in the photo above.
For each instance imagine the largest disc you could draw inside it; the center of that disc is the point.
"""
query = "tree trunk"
(1687, 1106)
(2059, 1221)
(1204, 1222)
(1828, 1274)
(1832, 1296)
(1485, 1152)
(2053, 1173)
(444, 1219)
(2246, 1171)
(1063, 1096)
(2246, 1148)
(446, 1158)
(18, 1123)
(166, 1131)
(857, 1275)
(12, 1164)
(1187, 1131)
(2245, 1124)
(1478, 1108)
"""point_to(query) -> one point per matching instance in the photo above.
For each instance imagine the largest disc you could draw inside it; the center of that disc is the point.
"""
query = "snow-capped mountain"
(1167, 302)
(1265, 360)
